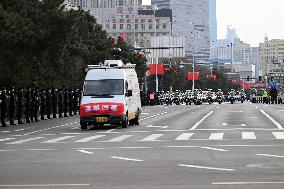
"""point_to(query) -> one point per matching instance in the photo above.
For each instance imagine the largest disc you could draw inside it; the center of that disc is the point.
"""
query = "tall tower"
(212, 23)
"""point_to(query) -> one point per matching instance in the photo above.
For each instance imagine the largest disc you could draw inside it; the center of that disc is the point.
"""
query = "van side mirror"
(129, 93)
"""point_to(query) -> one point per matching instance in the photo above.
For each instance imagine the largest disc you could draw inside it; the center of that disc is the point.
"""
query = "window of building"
(121, 26)
(107, 26)
(157, 26)
(164, 26)
(136, 26)
(128, 26)
(120, 2)
(143, 26)
(114, 26)
(150, 26)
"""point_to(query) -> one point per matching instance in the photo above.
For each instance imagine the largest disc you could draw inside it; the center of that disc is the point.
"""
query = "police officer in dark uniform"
(4, 107)
(12, 105)
(75, 101)
(42, 98)
(20, 105)
(60, 103)
(35, 104)
(65, 102)
(70, 102)
(28, 102)
(54, 102)
(48, 103)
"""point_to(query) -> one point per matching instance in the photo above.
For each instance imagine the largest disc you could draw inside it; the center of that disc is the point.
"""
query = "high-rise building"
(271, 54)
(212, 23)
(231, 34)
(190, 19)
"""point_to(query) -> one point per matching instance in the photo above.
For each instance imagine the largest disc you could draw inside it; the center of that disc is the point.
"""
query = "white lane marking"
(6, 150)
(152, 126)
(17, 135)
(200, 121)
(90, 148)
(25, 140)
(202, 167)
(58, 139)
(152, 137)
(41, 149)
(224, 124)
(245, 183)
(85, 151)
(236, 111)
(281, 110)
(279, 126)
(218, 107)
(72, 133)
(109, 131)
(142, 147)
(171, 130)
(5, 131)
(126, 159)
(184, 136)
(5, 139)
(44, 185)
(248, 135)
(19, 130)
(140, 131)
(144, 113)
(251, 117)
(215, 149)
(243, 125)
(47, 134)
(120, 138)
(43, 130)
(278, 135)
(216, 136)
(248, 145)
(88, 139)
(269, 155)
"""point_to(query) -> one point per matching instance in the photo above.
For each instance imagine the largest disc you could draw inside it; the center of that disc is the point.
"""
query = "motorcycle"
(209, 100)
(243, 99)
(232, 99)
(219, 99)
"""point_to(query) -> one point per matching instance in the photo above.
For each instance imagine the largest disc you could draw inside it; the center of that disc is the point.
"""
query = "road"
(175, 147)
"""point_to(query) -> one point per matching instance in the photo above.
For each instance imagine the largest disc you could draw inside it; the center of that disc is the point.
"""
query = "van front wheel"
(125, 123)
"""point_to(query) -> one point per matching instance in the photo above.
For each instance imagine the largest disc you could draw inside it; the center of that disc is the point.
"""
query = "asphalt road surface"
(174, 147)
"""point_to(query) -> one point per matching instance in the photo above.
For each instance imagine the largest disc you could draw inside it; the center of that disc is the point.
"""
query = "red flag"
(160, 69)
(192, 75)
(122, 36)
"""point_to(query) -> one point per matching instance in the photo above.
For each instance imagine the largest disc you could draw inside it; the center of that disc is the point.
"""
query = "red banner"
(105, 108)
(160, 69)
(193, 75)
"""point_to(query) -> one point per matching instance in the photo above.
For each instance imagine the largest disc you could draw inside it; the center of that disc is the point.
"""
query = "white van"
(111, 95)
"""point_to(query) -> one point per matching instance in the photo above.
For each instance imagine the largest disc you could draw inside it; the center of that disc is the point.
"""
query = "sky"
(251, 18)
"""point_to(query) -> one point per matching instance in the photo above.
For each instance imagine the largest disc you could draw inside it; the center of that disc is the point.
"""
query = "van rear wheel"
(83, 126)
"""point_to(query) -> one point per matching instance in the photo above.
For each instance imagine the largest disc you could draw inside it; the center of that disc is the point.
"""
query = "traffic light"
(247, 78)
(259, 78)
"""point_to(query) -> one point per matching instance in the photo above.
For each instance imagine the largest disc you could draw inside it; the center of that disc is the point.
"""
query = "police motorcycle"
(197, 97)
(209, 96)
(161, 98)
(176, 98)
(187, 97)
(242, 96)
(232, 96)
(219, 97)
(167, 98)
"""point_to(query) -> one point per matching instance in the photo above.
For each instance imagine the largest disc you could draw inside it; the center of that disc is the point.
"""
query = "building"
(231, 34)
(190, 19)
(212, 23)
(255, 61)
(271, 55)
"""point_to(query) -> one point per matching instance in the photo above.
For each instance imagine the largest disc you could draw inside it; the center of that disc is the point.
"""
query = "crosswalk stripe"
(58, 139)
(25, 140)
(184, 136)
(248, 135)
(216, 136)
(278, 135)
(152, 137)
(5, 139)
(120, 138)
(88, 139)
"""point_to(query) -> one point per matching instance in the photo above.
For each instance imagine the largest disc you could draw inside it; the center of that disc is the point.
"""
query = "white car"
(281, 98)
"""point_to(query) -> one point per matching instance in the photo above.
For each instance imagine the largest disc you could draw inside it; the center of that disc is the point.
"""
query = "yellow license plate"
(101, 119)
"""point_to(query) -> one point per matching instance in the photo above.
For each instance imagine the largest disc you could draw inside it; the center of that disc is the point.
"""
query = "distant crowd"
(33, 104)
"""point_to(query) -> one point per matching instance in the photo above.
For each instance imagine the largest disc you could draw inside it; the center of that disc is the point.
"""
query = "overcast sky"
(251, 18)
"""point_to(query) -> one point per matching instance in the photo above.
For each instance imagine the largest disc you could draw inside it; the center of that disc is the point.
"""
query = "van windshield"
(104, 87)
